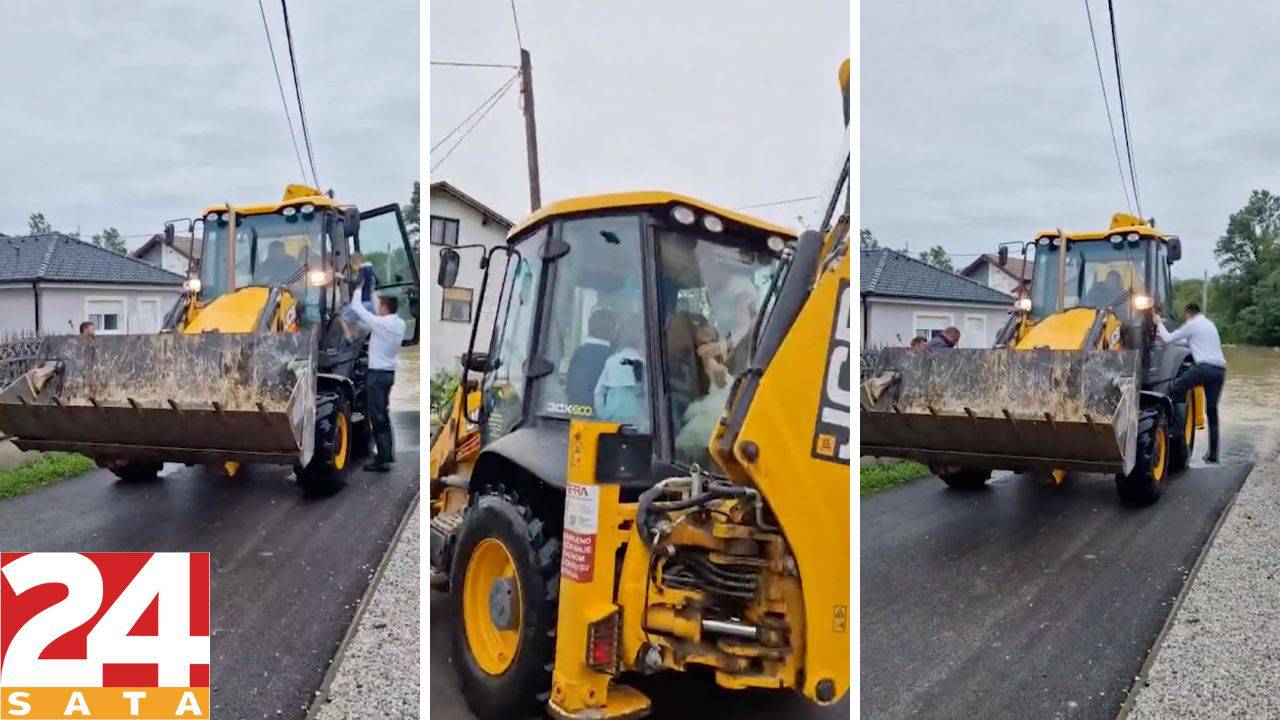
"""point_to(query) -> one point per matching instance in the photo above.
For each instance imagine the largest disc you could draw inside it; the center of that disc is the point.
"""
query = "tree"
(109, 239)
(1250, 256)
(413, 213)
(868, 240)
(37, 225)
(938, 257)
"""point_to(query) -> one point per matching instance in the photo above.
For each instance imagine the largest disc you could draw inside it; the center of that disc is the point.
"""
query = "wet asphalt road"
(675, 696)
(1022, 599)
(288, 571)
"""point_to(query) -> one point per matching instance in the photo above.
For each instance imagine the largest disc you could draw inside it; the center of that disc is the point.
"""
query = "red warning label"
(581, 523)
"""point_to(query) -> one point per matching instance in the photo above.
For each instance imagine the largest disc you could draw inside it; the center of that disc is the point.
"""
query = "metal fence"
(17, 353)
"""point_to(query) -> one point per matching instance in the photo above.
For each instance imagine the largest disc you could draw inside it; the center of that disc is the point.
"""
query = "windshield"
(711, 289)
(270, 249)
(1099, 274)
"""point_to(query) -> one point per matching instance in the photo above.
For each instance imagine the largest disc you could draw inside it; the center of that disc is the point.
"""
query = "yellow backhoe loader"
(1077, 379)
(648, 469)
(251, 365)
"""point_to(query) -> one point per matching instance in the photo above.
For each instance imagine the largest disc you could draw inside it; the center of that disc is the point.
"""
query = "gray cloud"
(731, 101)
(128, 114)
(983, 122)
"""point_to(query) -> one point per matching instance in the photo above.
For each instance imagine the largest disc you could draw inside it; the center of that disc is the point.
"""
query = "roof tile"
(62, 258)
(889, 273)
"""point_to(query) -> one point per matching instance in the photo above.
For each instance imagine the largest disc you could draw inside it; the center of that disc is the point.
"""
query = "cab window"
(596, 341)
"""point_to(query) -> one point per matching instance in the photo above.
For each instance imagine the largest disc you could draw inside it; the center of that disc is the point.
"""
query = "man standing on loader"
(386, 332)
(1210, 369)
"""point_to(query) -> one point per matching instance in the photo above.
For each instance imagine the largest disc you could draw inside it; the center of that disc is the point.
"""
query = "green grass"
(45, 470)
(882, 476)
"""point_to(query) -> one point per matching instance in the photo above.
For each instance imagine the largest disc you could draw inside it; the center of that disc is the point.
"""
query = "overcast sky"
(983, 121)
(734, 102)
(127, 114)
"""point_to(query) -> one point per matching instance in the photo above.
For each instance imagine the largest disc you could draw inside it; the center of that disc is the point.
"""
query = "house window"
(456, 305)
(106, 314)
(930, 325)
(444, 231)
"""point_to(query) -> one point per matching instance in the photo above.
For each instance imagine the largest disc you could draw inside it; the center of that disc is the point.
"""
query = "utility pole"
(530, 130)
(1204, 294)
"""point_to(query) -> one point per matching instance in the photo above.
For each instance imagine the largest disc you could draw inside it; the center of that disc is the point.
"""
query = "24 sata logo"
(104, 635)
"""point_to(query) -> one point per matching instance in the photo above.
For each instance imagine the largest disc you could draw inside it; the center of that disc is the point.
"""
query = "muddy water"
(1250, 405)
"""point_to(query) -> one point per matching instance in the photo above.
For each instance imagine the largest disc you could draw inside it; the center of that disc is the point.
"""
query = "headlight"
(289, 211)
(776, 243)
(683, 215)
(1042, 240)
(308, 209)
(318, 278)
(1132, 237)
(1024, 304)
(712, 223)
(1116, 239)
(192, 285)
(211, 217)
(1142, 302)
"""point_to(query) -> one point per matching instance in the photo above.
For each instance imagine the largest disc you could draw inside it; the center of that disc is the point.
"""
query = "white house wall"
(16, 309)
(892, 323)
(449, 339)
(63, 306)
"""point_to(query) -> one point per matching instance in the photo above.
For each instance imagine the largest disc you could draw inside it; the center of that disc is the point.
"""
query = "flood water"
(404, 393)
(1249, 405)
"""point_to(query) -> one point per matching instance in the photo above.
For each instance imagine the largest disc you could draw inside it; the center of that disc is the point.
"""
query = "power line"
(516, 19)
(297, 87)
(1124, 111)
(1115, 148)
(476, 124)
(473, 64)
(275, 66)
(777, 202)
(481, 106)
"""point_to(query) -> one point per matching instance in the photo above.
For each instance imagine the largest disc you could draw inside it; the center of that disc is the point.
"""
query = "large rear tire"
(963, 478)
(1145, 484)
(504, 589)
(326, 474)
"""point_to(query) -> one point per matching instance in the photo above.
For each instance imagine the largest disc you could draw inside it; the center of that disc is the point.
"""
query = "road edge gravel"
(338, 695)
(1218, 655)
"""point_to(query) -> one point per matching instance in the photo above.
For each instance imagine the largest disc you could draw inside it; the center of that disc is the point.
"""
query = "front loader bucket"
(202, 398)
(1007, 409)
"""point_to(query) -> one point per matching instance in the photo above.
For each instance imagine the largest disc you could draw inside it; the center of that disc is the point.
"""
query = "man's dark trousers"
(1211, 377)
(378, 390)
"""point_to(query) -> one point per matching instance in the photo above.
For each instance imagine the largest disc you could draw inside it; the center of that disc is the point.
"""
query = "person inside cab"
(278, 266)
(589, 358)
(1107, 292)
(619, 394)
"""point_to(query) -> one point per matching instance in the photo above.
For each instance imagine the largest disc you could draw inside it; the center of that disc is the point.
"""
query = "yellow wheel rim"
(1158, 453)
(1188, 433)
(491, 594)
(340, 441)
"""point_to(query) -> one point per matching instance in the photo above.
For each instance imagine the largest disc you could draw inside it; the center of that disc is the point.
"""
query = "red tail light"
(602, 644)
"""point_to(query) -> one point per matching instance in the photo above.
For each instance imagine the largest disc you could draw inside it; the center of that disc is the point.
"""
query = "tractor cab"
(299, 246)
(633, 308)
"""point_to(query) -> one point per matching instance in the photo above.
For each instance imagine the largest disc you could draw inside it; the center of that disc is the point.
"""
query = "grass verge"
(882, 476)
(45, 470)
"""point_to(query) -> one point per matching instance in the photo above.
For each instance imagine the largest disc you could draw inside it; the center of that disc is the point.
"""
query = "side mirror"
(168, 233)
(1003, 255)
(1175, 249)
(477, 362)
(448, 273)
(351, 219)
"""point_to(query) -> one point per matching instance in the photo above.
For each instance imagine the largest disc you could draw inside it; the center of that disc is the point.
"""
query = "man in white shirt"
(386, 332)
(1210, 368)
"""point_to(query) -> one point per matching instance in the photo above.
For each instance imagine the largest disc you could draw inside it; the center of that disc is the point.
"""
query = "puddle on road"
(404, 393)
(1248, 408)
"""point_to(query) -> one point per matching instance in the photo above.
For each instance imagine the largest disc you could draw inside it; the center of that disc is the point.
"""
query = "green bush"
(882, 476)
(45, 470)
(444, 383)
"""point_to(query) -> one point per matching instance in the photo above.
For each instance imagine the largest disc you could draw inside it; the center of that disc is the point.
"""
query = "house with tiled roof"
(901, 297)
(180, 255)
(1010, 278)
(51, 283)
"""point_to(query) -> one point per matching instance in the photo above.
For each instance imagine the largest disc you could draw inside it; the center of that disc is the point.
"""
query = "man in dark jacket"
(588, 359)
(948, 338)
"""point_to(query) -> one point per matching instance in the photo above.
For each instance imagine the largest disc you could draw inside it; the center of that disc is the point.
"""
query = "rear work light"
(602, 644)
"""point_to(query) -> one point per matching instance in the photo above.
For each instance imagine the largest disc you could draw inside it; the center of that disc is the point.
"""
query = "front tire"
(504, 589)
(962, 478)
(135, 471)
(1145, 484)
(1185, 444)
(327, 472)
